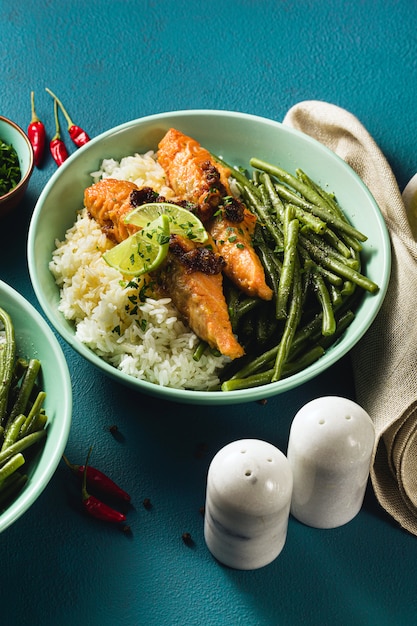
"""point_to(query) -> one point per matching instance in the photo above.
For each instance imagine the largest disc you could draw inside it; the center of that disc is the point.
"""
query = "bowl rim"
(193, 396)
(33, 490)
(25, 178)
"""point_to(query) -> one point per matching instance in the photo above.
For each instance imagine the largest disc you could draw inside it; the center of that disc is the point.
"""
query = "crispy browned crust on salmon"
(108, 201)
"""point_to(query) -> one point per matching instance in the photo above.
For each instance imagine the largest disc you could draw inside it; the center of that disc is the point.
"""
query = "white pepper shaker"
(248, 499)
(329, 450)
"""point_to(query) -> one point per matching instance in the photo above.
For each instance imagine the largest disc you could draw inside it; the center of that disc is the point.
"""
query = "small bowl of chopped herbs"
(16, 164)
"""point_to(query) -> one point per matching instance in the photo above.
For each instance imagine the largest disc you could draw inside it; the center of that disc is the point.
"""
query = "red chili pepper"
(95, 507)
(77, 134)
(56, 145)
(36, 133)
(96, 479)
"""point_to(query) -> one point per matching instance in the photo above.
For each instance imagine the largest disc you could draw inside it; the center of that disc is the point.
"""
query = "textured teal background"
(113, 61)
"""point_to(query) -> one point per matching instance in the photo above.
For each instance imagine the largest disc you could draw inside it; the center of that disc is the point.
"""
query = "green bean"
(25, 390)
(328, 321)
(312, 222)
(257, 364)
(342, 324)
(306, 334)
(271, 264)
(263, 378)
(348, 288)
(266, 325)
(267, 220)
(344, 270)
(337, 243)
(273, 195)
(34, 420)
(245, 306)
(21, 444)
(33, 423)
(312, 242)
(328, 199)
(232, 299)
(199, 351)
(233, 384)
(13, 464)
(291, 229)
(291, 323)
(324, 213)
(12, 486)
(7, 360)
(12, 433)
(331, 277)
(305, 190)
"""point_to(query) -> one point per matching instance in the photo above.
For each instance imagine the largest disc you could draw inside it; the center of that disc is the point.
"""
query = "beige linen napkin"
(384, 361)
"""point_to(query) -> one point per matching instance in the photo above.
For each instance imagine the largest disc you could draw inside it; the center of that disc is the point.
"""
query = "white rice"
(146, 340)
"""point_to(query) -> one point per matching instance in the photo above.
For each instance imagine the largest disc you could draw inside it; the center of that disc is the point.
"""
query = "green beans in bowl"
(43, 392)
(260, 155)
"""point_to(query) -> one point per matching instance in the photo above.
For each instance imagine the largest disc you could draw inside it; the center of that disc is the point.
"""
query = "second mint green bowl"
(35, 339)
(236, 137)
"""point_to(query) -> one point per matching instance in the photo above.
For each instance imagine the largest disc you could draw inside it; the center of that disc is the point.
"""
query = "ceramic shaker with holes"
(329, 450)
(249, 486)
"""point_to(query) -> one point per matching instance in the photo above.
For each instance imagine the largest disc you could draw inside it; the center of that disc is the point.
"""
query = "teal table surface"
(111, 62)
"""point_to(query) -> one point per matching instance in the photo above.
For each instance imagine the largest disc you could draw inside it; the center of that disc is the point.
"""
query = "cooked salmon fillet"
(198, 295)
(107, 202)
(192, 173)
(243, 266)
(196, 177)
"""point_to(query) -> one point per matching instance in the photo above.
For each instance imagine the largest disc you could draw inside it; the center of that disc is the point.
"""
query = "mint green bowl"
(236, 137)
(34, 338)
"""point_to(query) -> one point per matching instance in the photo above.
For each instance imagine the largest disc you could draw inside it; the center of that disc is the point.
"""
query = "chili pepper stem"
(61, 106)
(57, 128)
(84, 492)
(72, 467)
(35, 118)
(77, 134)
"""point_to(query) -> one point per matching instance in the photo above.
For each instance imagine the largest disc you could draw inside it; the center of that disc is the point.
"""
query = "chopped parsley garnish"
(10, 173)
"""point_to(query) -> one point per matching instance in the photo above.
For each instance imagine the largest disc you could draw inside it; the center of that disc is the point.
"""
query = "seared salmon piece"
(196, 177)
(234, 242)
(107, 202)
(198, 295)
(192, 173)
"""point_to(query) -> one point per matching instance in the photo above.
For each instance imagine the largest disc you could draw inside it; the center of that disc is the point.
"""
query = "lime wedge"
(181, 221)
(142, 252)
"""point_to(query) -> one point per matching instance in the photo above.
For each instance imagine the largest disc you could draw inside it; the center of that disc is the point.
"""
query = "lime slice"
(142, 252)
(181, 221)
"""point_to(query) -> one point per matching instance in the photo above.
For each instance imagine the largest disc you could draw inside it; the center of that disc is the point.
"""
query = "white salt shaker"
(249, 486)
(329, 450)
